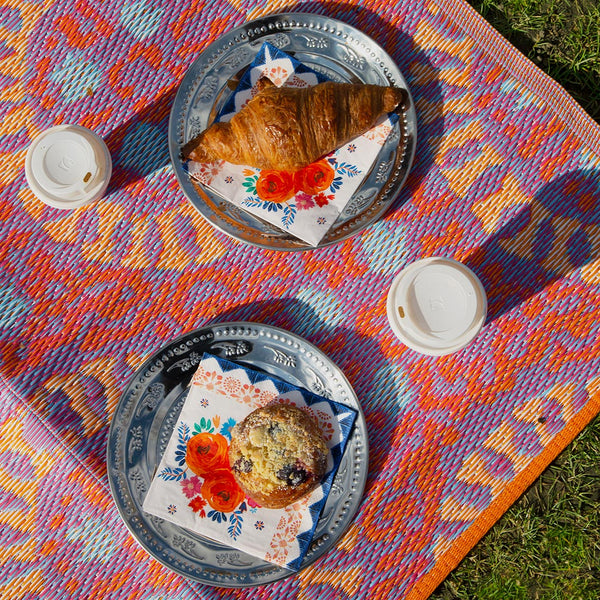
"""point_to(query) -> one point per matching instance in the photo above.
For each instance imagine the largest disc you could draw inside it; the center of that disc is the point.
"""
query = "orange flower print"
(322, 199)
(255, 396)
(206, 172)
(280, 541)
(264, 397)
(275, 186)
(212, 381)
(278, 75)
(246, 393)
(197, 504)
(221, 490)
(209, 379)
(206, 452)
(198, 376)
(280, 548)
(314, 178)
(325, 425)
(379, 133)
(296, 82)
(232, 386)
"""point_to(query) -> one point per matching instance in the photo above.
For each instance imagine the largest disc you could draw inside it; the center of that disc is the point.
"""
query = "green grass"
(561, 36)
(547, 545)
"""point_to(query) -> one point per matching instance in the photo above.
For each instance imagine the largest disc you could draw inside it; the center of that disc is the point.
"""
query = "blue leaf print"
(273, 206)
(171, 474)
(336, 184)
(289, 214)
(252, 201)
(217, 516)
(235, 527)
(183, 435)
(183, 432)
(180, 455)
(348, 169)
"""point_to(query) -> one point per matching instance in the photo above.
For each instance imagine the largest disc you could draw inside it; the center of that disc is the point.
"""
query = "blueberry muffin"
(277, 455)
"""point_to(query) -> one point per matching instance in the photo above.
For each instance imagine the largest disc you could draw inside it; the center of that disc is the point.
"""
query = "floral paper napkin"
(221, 394)
(305, 203)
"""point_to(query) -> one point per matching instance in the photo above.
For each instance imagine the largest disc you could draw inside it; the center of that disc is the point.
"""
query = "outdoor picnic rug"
(506, 179)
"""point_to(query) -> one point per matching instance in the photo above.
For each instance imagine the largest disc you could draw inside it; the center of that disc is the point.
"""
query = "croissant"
(287, 128)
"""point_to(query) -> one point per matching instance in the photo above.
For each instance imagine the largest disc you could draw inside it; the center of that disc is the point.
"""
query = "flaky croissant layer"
(288, 128)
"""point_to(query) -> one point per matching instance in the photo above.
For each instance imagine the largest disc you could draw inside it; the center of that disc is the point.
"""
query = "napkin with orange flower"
(305, 203)
(201, 494)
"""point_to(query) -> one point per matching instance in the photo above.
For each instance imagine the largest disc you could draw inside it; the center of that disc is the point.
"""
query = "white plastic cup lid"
(436, 306)
(68, 166)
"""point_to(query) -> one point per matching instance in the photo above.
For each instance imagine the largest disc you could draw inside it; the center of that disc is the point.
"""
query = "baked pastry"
(277, 455)
(285, 128)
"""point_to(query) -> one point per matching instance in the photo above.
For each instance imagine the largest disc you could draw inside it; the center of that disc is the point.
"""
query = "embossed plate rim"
(257, 335)
(380, 193)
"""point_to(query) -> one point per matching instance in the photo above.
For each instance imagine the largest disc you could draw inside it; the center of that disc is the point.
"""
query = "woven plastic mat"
(506, 179)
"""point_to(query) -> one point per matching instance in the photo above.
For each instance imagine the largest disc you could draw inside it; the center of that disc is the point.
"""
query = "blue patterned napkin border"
(266, 50)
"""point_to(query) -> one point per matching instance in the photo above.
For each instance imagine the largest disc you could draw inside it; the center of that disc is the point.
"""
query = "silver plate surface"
(147, 414)
(338, 51)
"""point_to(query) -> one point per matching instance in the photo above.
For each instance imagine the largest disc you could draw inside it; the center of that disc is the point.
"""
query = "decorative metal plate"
(147, 414)
(330, 47)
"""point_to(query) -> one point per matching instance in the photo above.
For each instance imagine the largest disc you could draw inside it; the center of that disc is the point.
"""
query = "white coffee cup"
(68, 166)
(436, 306)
